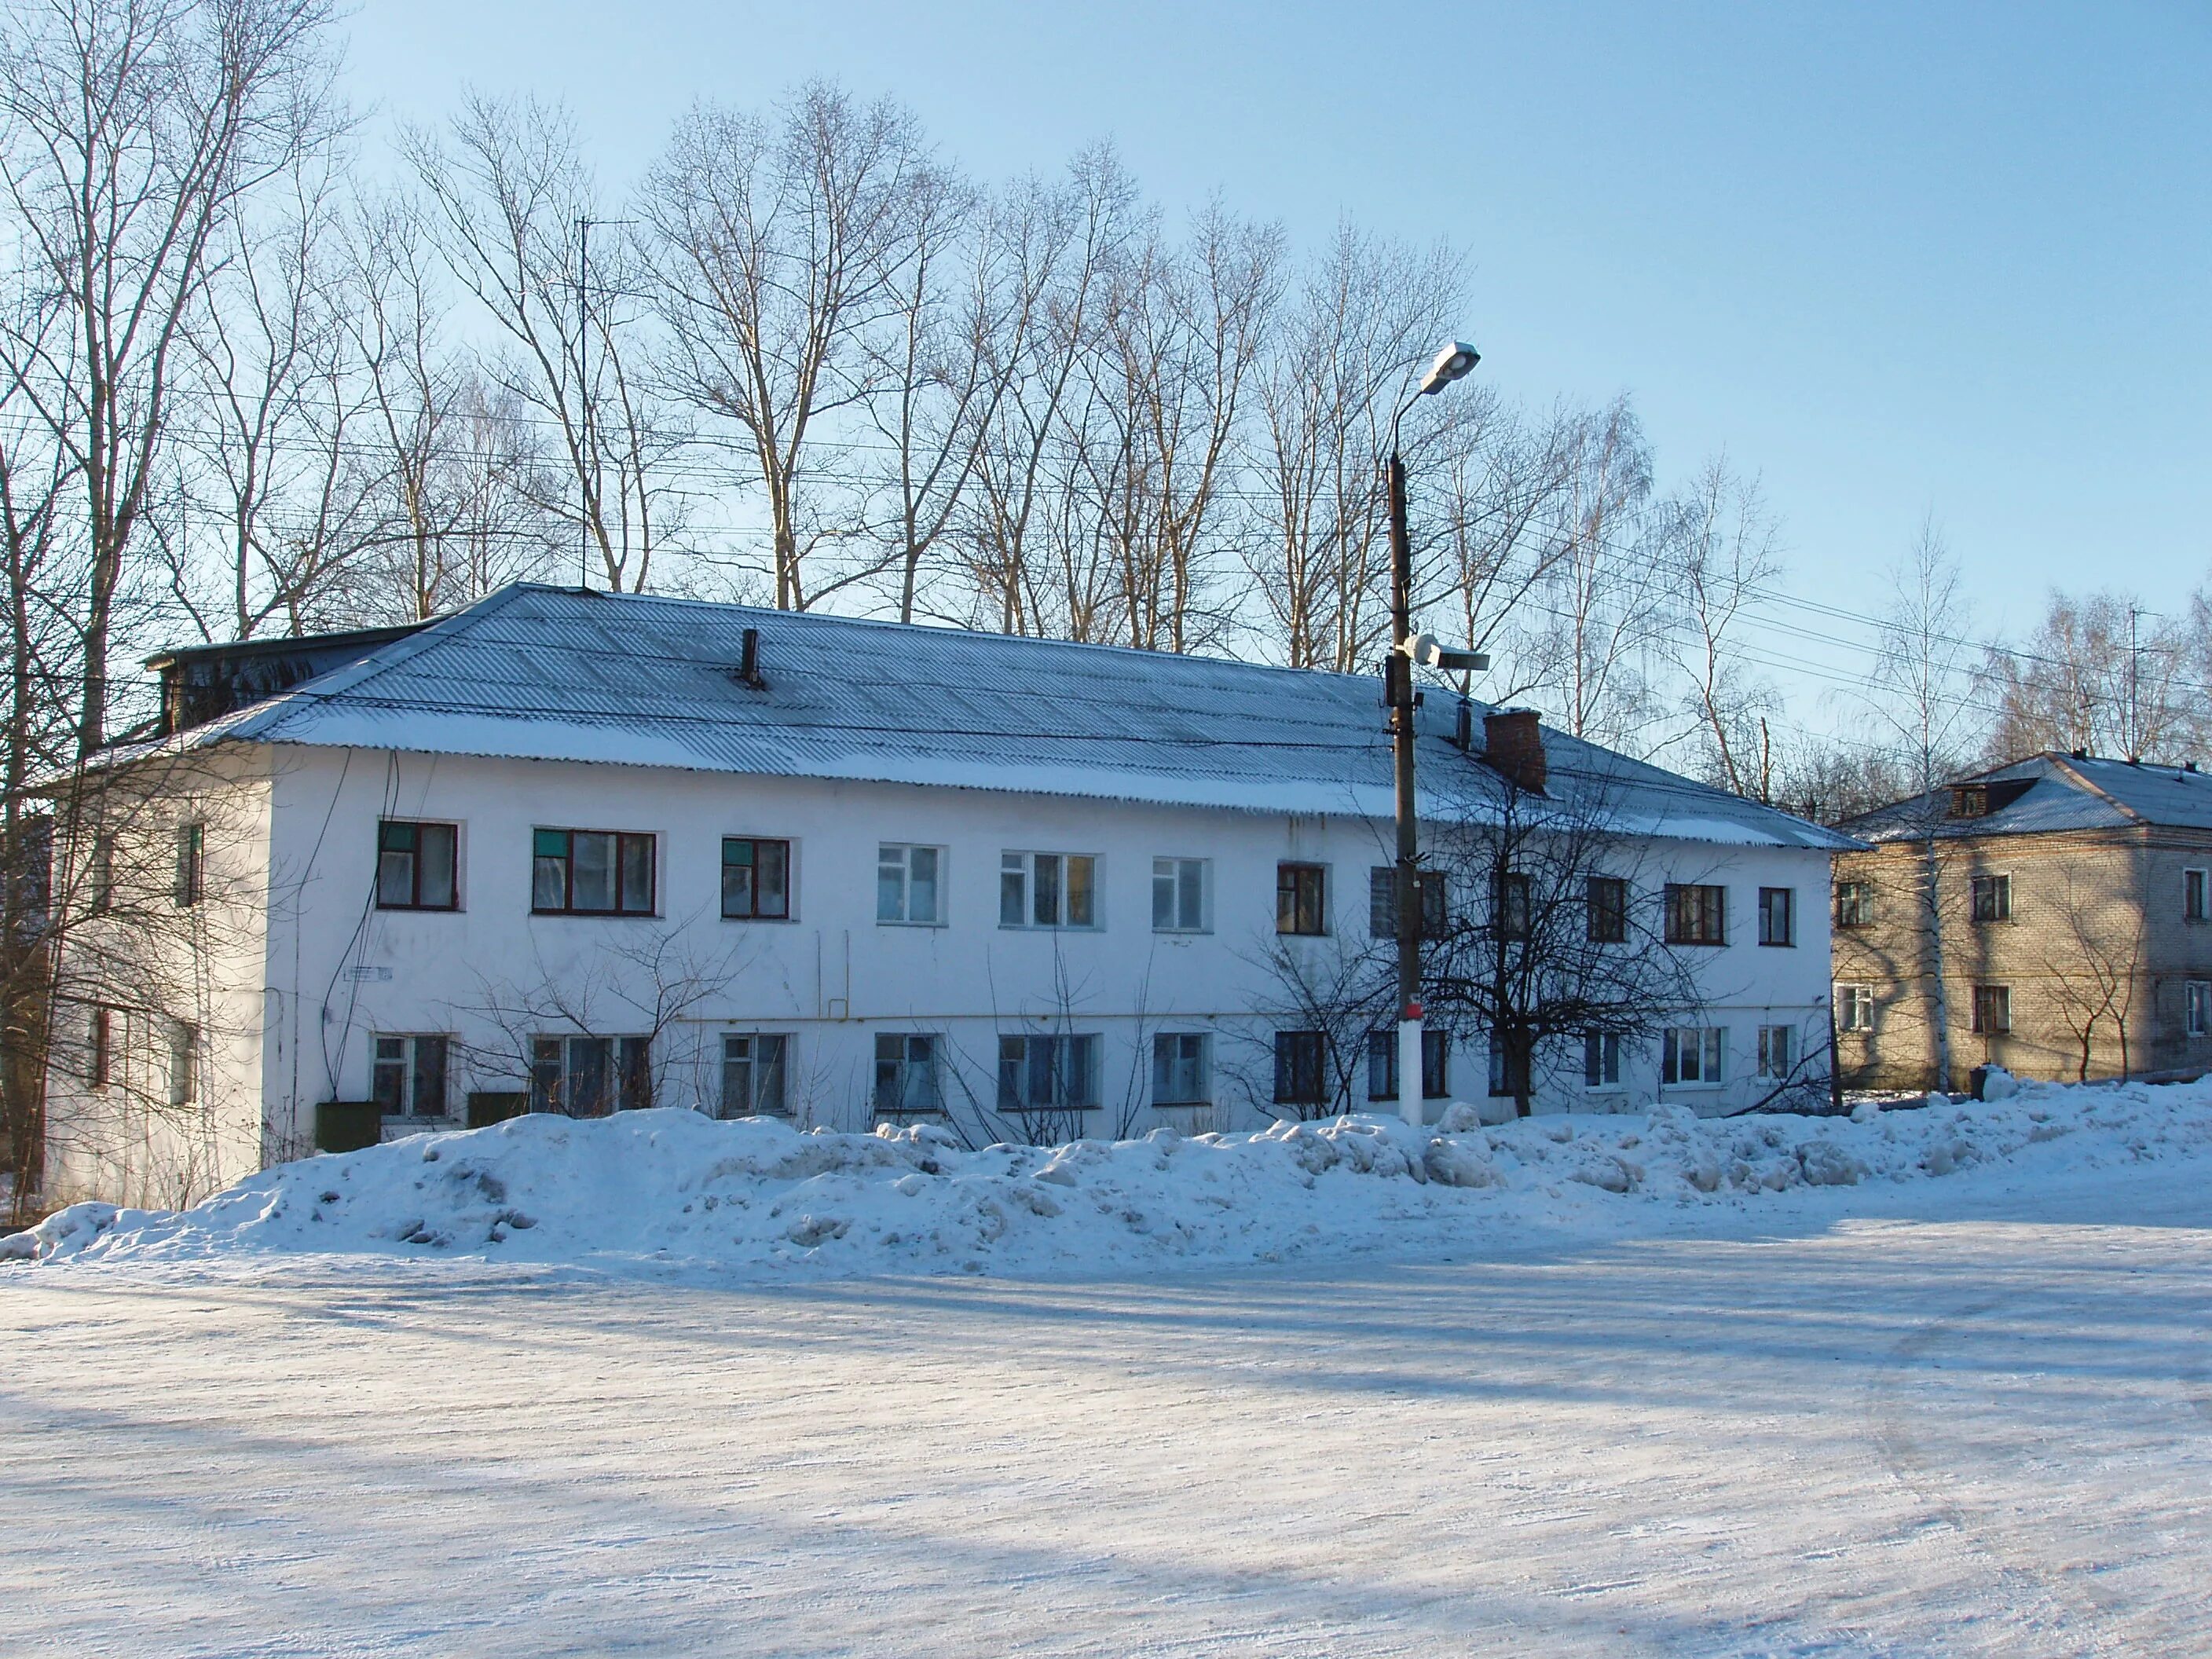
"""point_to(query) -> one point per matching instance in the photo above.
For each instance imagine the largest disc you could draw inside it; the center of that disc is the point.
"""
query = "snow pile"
(758, 1198)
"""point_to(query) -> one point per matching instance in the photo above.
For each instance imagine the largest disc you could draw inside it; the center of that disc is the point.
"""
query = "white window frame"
(903, 862)
(1169, 870)
(409, 1061)
(1193, 1058)
(770, 1055)
(932, 1060)
(1854, 1008)
(1708, 1044)
(2001, 887)
(1018, 869)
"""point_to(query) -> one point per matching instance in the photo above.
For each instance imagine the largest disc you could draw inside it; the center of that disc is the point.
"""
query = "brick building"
(2067, 899)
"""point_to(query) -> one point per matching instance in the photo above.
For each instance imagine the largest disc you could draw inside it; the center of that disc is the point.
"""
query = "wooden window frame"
(753, 862)
(623, 840)
(415, 900)
(1300, 900)
(1687, 917)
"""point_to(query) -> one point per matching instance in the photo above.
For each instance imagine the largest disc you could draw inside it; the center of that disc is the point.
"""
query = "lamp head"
(1453, 361)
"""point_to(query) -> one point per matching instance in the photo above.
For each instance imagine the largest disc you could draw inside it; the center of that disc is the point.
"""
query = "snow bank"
(759, 1198)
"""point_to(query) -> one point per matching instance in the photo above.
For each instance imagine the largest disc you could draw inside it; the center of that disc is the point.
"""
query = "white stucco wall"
(340, 970)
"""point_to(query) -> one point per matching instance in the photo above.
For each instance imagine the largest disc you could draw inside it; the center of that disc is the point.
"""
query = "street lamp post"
(1454, 361)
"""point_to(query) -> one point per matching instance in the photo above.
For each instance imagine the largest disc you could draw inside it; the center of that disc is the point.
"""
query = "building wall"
(339, 970)
(144, 1135)
(2097, 957)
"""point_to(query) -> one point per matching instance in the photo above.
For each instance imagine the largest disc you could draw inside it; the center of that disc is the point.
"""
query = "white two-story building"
(575, 851)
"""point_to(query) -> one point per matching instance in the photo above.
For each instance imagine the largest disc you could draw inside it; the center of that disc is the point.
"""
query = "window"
(1301, 898)
(1048, 1073)
(1509, 1071)
(591, 872)
(415, 866)
(909, 884)
(1383, 1063)
(753, 1073)
(1777, 915)
(2199, 995)
(1696, 915)
(1606, 901)
(756, 879)
(184, 1063)
(1300, 1071)
(1179, 895)
(101, 898)
(191, 848)
(1992, 898)
(1992, 1009)
(1854, 1007)
(99, 1050)
(409, 1079)
(590, 1075)
(1854, 903)
(1778, 1050)
(1513, 906)
(1182, 1068)
(906, 1074)
(1047, 890)
(1383, 902)
(1691, 1054)
(1600, 1060)
(2192, 895)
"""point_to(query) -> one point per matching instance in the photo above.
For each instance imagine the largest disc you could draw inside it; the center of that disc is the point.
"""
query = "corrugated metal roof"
(563, 674)
(2068, 793)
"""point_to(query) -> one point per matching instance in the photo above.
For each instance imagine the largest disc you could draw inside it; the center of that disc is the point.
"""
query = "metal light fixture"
(1453, 361)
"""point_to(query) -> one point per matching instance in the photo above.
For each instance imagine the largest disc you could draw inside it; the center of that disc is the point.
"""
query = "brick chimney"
(1514, 744)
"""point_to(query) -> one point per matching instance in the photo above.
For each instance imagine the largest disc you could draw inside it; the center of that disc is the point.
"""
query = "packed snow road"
(1970, 1416)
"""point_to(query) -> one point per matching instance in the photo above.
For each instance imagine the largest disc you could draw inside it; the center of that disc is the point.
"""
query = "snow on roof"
(2065, 792)
(567, 674)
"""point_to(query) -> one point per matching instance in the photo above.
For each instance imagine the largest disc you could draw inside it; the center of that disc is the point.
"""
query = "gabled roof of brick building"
(2044, 794)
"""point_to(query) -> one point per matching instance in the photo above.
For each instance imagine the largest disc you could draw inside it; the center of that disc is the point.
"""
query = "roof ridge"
(2065, 763)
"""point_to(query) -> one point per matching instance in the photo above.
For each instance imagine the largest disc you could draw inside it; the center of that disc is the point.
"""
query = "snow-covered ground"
(1722, 1411)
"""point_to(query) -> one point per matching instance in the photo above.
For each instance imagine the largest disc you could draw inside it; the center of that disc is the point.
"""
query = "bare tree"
(132, 131)
(1063, 243)
(2093, 960)
(1918, 695)
(1367, 312)
(779, 243)
(2102, 674)
(1552, 935)
(1723, 556)
(1602, 609)
(513, 207)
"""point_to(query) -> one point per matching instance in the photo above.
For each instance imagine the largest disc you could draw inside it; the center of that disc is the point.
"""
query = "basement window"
(590, 1075)
(409, 1078)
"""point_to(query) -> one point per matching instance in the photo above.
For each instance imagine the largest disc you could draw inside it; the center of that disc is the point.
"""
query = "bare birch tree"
(779, 243)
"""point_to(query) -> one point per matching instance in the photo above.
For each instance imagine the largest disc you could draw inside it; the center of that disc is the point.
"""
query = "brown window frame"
(756, 843)
(1710, 918)
(1295, 883)
(1998, 886)
(415, 900)
(1855, 910)
(1989, 997)
(1605, 902)
(1787, 907)
(622, 839)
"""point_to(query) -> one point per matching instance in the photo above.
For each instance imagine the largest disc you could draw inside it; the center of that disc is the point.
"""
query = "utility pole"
(1453, 361)
(1397, 689)
(2134, 744)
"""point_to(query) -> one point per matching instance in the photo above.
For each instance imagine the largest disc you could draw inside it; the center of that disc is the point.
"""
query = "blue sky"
(1896, 259)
